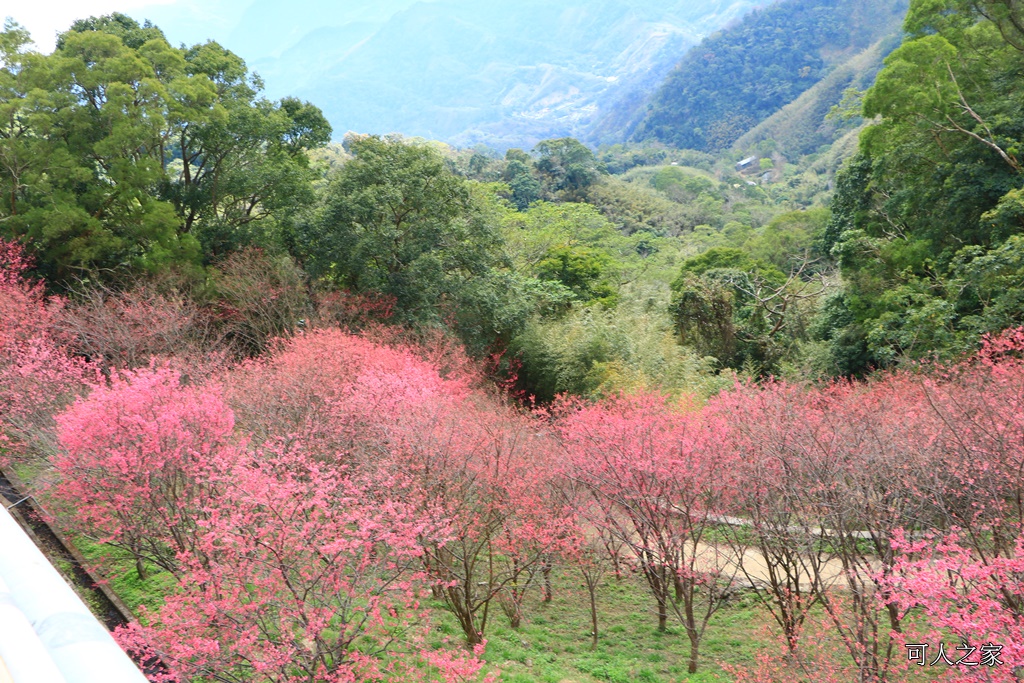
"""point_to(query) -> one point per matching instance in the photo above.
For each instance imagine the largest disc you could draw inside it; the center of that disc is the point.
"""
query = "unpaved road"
(752, 567)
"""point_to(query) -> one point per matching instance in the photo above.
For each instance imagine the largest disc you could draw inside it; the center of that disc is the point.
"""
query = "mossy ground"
(118, 569)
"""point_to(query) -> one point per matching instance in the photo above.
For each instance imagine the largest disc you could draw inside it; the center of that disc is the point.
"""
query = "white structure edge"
(47, 634)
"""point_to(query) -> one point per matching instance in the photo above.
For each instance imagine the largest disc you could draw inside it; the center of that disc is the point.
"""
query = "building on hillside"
(748, 165)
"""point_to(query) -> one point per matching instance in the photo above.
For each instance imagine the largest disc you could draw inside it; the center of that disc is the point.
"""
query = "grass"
(117, 567)
(553, 644)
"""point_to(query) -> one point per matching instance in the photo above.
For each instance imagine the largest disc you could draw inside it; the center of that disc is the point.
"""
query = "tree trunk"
(593, 613)
(692, 632)
(473, 638)
(691, 665)
(460, 607)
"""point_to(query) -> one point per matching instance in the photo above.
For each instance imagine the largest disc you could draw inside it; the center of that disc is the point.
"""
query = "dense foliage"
(926, 221)
(120, 153)
(395, 221)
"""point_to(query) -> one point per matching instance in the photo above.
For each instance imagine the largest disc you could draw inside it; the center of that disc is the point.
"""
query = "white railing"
(47, 634)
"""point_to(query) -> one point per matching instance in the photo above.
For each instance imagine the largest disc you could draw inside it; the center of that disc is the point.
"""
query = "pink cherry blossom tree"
(141, 459)
(659, 475)
(300, 574)
(38, 375)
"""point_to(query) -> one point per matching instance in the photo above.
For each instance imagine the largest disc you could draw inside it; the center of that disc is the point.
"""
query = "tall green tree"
(742, 310)
(519, 175)
(119, 152)
(239, 166)
(718, 311)
(924, 215)
(395, 221)
(81, 149)
(567, 166)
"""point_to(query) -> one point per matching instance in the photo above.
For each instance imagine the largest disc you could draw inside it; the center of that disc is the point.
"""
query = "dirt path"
(751, 567)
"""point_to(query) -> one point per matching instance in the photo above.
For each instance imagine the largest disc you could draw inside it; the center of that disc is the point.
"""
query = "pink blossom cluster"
(306, 503)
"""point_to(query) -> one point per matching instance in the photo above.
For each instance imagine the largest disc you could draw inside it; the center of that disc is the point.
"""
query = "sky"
(45, 18)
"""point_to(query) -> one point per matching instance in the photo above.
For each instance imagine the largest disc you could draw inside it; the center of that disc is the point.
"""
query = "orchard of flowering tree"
(386, 409)
(318, 508)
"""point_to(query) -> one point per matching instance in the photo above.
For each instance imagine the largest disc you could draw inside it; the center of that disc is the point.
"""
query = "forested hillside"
(819, 116)
(738, 77)
(926, 219)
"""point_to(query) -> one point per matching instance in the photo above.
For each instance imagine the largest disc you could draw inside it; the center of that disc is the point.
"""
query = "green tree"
(532, 235)
(791, 239)
(583, 271)
(239, 164)
(396, 221)
(81, 149)
(567, 166)
(596, 350)
(632, 207)
(924, 216)
(741, 310)
(518, 174)
(119, 152)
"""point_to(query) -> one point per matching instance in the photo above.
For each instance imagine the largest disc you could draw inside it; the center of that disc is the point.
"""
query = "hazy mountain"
(268, 28)
(466, 71)
(509, 74)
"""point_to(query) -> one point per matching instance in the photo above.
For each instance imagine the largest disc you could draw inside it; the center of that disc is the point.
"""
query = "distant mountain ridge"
(739, 77)
(504, 74)
(466, 71)
(510, 74)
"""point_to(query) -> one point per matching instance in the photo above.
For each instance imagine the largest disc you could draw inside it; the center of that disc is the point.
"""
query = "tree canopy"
(119, 152)
(926, 219)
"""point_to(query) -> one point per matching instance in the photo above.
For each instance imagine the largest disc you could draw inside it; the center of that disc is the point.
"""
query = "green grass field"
(553, 645)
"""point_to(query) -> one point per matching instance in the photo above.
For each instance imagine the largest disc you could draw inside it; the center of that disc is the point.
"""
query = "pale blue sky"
(44, 18)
